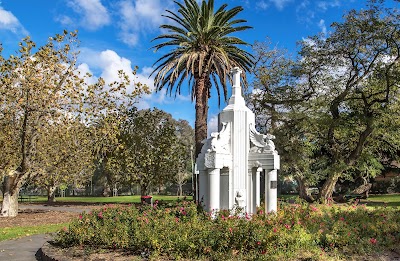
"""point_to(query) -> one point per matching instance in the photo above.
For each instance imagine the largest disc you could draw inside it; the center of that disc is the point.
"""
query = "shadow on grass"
(66, 203)
(371, 203)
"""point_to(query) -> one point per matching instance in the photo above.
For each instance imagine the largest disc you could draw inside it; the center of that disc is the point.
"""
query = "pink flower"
(287, 226)
(80, 216)
(275, 230)
(258, 243)
(230, 230)
(373, 241)
(100, 215)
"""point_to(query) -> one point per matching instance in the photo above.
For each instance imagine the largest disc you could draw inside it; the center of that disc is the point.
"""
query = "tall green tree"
(341, 90)
(185, 136)
(151, 148)
(66, 157)
(279, 109)
(107, 147)
(202, 51)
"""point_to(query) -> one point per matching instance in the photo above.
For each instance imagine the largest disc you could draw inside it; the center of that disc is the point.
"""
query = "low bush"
(299, 231)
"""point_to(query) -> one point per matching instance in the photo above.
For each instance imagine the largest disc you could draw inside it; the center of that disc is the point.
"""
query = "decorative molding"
(220, 141)
(260, 141)
(210, 160)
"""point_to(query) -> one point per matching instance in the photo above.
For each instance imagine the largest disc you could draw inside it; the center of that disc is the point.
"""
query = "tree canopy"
(339, 95)
(202, 51)
(155, 148)
(41, 88)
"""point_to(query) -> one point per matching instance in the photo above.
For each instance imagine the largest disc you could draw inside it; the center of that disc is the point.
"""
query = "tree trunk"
(9, 207)
(106, 190)
(51, 194)
(179, 192)
(201, 114)
(326, 192)
(200, 128)
(302, 188)
(143, 190)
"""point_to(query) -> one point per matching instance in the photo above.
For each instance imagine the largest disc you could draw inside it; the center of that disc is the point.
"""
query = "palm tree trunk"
(201, 113)
(200, 129)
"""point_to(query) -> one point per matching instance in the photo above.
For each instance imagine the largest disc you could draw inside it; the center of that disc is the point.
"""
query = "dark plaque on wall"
(274, 184)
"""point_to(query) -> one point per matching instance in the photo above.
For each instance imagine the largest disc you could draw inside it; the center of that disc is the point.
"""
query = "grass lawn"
(390, 200)
(8, 233)
(119, 199)
(106, 200)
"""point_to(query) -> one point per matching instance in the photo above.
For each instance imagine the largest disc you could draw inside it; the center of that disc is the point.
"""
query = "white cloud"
(305, 12)
(83, 70)
(308, 41)
(322, 26)
(130, 39)
(93, 14)
(140, 17)
(111, 63)
(212, 125)
(324, 5)
(9, 22)
(262, 5)
(65, 20)
(106, 64)
(280, 4)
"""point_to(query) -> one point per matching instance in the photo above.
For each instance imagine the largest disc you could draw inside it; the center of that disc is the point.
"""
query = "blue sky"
(117, 34)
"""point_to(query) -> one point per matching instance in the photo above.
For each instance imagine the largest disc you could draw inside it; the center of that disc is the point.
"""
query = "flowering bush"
(182, 231)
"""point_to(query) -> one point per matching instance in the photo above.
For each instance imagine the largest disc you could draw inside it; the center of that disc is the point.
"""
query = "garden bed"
(296, 232)
(55, 253)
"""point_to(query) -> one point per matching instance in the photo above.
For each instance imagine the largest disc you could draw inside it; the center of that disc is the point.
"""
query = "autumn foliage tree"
(40, 87)
(66, 156)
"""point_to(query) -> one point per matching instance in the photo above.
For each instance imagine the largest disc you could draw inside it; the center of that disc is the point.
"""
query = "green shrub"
(311, 232)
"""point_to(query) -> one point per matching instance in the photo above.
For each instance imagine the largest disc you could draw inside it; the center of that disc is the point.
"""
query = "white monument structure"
(233, 159)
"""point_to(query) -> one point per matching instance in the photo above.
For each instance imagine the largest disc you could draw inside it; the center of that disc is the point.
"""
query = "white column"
(203, 188)
(250, 201)
(257, 187)
(224, 189)
(271, 191)
(236, 97)
(214, 182)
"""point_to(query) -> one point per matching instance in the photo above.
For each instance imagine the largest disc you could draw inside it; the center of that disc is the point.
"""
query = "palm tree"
(202, 52)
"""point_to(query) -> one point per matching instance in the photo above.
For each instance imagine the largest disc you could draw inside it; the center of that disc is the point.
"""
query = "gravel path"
(22, 249)
(26, 248)
(76, 209)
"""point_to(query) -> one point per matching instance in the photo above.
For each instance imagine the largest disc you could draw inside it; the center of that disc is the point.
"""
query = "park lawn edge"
(9, 233)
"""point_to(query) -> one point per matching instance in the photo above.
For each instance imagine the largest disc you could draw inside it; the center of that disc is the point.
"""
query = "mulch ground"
(31, 217)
